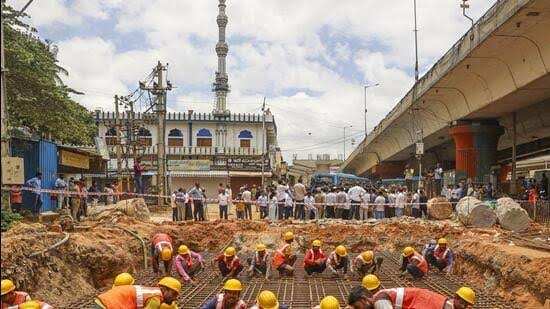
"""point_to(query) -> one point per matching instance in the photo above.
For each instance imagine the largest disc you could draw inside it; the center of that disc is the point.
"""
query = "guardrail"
(539, 212)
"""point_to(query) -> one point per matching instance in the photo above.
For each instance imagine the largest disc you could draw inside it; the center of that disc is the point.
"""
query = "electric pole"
(415, 45)
(118, 124)
(263, 144)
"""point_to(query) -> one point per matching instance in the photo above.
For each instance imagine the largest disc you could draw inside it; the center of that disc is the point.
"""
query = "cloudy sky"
(309, 58)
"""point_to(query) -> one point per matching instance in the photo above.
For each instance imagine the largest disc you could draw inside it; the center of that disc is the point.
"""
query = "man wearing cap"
(161, 250)
(414, 263)
(441, 256)
(11, 297)
(365, 263)
(259, 263)
(284, 259)
(187, 263)
(230, 298)
(229, 263)
(338, 260)
(315, 260)
(137, 296)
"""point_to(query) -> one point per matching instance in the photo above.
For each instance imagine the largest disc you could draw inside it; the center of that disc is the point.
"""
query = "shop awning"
(248, 174)
(205, 174)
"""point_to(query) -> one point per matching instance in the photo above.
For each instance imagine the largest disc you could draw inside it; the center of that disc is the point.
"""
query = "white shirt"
(223, 199)
(247, 196)
(331, 198)
(447, 193)
(309, 203)
(391, 199)
(355, 193)
(288, 200)
(416, 201)
(400, 200)
(173, 200)
(262, 201)
(299, 191)
(380, 201)
(438, 172)
(342, 199)
(365, 201)
(281, 192)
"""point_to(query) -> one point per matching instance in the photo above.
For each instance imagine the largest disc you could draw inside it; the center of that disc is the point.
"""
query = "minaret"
(221, 86)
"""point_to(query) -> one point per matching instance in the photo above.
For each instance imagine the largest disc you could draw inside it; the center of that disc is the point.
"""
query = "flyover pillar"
(476, 148)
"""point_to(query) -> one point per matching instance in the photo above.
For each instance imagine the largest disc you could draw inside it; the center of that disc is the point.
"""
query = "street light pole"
(415, 45)
(365, 101)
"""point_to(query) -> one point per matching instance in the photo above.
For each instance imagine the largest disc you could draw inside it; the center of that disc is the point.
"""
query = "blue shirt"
(34, 183)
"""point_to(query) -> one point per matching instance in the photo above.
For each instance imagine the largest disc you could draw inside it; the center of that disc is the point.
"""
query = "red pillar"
(465, 154)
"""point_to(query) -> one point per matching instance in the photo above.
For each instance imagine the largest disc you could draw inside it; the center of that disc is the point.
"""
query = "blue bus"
(337, 179)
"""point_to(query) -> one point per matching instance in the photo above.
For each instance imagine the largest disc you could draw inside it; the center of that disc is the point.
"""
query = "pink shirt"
(183, 264)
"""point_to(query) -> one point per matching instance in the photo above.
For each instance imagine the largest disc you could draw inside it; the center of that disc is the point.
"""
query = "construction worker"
(412, 298)
(358, 298)
(137, 296)
(124, 279)
(338, 260)
(161, 249)
(284, 259)
(11, 297)
(365, 264)
(268, 300)
(371, 283)
(259, 263)
(413, 263)
(34, 304)
(188, 263)
(328, 302)
(229, 299)
(315, 260)
(441, 256)
(229, 263)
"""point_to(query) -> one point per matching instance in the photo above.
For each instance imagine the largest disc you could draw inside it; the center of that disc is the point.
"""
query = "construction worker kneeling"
(315, 260)
(187, 264)
(338, 261)
(161, 249)
(137, 296)
(439, 255)
(11, 297)
(365, 263)
(259, 263)
(414, 263)
(268, 300)
(229, 299)
(229, 263)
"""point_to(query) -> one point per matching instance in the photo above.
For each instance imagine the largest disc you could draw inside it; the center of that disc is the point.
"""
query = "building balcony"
(194, 150)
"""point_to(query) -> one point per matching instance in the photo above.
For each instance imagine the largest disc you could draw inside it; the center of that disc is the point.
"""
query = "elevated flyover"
(466, 105)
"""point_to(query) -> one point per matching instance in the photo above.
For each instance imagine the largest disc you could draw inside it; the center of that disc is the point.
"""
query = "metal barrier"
(539, 212)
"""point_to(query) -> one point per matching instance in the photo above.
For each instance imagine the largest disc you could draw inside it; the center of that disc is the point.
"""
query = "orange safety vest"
(129, 296)
(160, 240)
(412, 298)
(439, 253)
(219, 304)
(20, 297)
(279, 256)
(422, 263)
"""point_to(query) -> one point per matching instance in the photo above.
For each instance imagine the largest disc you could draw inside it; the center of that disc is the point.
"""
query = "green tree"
(36, 96)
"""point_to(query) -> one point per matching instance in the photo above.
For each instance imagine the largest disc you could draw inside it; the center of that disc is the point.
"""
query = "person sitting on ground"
(315, 260)
(441, 256)
(11, 297)
(284, 259)
(338, 261)
(34, 304)
(365, 263)
(123, 279)
(137, 296)
(268, 300)
(229, 263)
(328, 302)
(414, 263)
(187, 264)
(259, 263)
(358, 298)
(229, 299)
(161, 249)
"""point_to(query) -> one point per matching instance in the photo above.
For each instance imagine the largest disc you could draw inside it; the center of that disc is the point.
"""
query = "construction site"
(68, 265)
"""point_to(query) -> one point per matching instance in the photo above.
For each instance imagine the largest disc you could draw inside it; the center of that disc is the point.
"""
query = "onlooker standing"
(299, 195)
(75, 199)
(489, 191)
(185, 205)
(289, 204)
(341, 200)
(423, 199)
(36, 184)
(60, 185)
(379, 206)
(262, 202)
(174, 206)
(16, 198)
(309, 205)
(221, 188)
(94, 189)
(197, 196)
(355, 193)
(273, 205)
(110, 194)
(320, 199)
(390, 207)
(330, 202)
(409, 174)
(247, 198)
(446, 192)
(229, 195)
(346, 205)
(365, 201)
(281, 195)
(223, 201)
(416, 205)
(83, 211)
(239, 207)
(138, 178)
(438, 177)
(400, 202)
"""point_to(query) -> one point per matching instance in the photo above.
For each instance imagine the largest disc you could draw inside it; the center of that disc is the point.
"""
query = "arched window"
(144, 137)
(245, 137)
(204, 138)
(175, 138)
(110, 136)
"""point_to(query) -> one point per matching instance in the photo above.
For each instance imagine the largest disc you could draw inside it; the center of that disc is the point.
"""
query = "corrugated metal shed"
(48, 167)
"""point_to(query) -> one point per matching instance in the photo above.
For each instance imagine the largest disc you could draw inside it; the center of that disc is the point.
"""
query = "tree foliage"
(37, 99)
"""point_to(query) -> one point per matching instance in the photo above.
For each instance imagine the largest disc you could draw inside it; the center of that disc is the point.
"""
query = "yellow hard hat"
(124, 279)
(171, 283)
(166, 254)
(329, 302)
(267, 300)
(408, 251)
(229, 251)
(260, 247)
(288, 236)
(31, 304)
(467, 294)
(183, 249)
(341, 250)
(316, 243)
(7, 286)
(367, 256)
(442, 241)
(233, 285)
(370, 282)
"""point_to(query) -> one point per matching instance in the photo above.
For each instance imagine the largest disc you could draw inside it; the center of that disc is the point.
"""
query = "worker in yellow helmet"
(413, 263)
(328, 302)
(11, 297)
(34, 304)
(259, 263)
(338, 261)
(268, 300)
(315, 260)
(229, 263)
(366, 263)
(188, 263)
(439, 255)
(230, 298)
(123, 279)
(411, 298)
(161, 250)
(137, 296)
(358, 298)
(284, 258)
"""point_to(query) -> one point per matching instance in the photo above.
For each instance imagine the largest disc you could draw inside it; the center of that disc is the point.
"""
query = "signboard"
(74, 159)
(189, 165)
(334, 169)
(241, 163)
(112, 164)
(13, 171)
(419, 148)
(102, 148)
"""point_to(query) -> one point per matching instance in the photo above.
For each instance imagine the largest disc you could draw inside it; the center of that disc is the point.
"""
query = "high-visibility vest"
(219, 304)
(413, 298)
(441, 254)
(422, 263)
(129, 296)
(312, 253)
(160, 240)
(260, 260)
(279, 256)
(20, 297)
